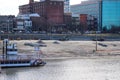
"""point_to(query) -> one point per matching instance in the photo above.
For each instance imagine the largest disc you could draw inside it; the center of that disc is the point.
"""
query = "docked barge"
(11, 58)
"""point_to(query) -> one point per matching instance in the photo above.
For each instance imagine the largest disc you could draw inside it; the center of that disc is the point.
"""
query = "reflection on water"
(71, 69)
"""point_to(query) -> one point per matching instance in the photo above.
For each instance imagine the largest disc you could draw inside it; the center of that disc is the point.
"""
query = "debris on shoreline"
(55, 48)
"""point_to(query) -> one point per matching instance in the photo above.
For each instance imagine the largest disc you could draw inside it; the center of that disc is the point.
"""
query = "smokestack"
(31, 1)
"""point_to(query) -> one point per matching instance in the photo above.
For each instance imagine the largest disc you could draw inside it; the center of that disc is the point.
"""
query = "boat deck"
(19, 61)
(18, 57)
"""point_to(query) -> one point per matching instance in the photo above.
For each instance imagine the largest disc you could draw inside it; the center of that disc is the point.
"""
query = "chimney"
(31, 1)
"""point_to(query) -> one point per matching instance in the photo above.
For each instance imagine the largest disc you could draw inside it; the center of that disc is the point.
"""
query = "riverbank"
(49, 36)
(71, 49)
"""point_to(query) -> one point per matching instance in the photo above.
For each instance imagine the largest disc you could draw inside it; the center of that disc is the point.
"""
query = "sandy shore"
(71, 48)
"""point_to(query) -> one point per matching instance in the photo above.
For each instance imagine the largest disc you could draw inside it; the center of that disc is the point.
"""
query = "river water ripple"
(67, 69)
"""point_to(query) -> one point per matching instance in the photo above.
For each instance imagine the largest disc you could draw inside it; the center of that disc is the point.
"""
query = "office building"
(107, 12)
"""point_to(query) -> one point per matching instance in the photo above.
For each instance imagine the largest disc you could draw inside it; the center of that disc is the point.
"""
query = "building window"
(50, 3)
(54, 3)
(60, 3)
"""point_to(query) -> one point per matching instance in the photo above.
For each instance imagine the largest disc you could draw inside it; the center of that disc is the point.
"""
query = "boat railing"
(18, 57)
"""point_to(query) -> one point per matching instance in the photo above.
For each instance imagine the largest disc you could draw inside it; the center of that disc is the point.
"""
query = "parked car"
(98, 39)
(65, 38)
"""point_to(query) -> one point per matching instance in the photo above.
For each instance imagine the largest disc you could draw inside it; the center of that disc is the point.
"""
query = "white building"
(24, 23)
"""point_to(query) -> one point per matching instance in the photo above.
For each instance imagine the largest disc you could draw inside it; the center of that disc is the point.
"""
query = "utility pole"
(3, 50)
(96, 41)
(8, 27)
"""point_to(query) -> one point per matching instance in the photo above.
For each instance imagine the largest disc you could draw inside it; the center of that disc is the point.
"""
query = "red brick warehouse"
(51, 10)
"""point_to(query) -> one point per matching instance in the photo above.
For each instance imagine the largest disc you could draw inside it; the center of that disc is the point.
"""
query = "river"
(67, 69)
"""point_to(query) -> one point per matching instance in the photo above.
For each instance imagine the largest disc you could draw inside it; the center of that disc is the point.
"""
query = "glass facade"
(107, 12)
(110, 13)
(90, 9)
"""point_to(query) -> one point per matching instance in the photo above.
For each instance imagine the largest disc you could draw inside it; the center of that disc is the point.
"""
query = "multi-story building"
(107, 12)
(83, 22)
(66, 5)
(110, 13)
(23, 23)
(51, 10)
(67, 18)
(88, 8)
(75, 19)
(6, 23)
(88, 22)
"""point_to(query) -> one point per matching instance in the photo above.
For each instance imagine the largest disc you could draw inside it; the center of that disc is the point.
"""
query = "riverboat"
(11, 58)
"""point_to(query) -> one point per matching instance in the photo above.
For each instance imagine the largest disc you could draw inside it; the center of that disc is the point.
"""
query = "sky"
(10, 7)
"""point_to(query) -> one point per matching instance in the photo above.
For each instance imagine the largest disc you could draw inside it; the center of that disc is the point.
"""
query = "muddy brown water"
(67, 69)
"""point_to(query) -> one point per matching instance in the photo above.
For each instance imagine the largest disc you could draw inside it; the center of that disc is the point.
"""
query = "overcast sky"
(10, 7)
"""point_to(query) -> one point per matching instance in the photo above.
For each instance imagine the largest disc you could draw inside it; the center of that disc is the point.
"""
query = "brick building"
(83, 21)
(68, 18)
(38, 23)
(51, 10)
(88, 22)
